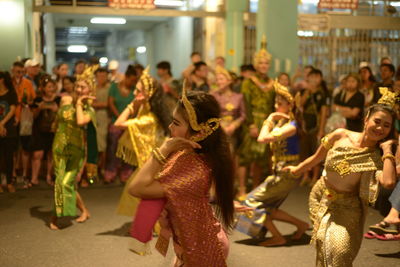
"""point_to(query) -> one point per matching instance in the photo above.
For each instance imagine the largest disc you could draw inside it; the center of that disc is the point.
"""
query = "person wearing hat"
(32, 70)
(115, 76)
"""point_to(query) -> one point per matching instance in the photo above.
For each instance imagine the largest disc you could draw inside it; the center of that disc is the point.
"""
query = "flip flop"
(388, 237)
(370, 235)
(385, 228)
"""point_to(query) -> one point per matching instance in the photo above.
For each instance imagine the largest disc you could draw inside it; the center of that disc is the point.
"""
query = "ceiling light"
(103, 60)
(100, 20)
(171, 3)
(78, 30)
(77, 48)
(10, 12)
(141, 49)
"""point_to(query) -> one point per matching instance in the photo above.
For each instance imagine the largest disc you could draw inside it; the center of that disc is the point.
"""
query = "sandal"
(388, 237)
(385, 228)
(370, 235)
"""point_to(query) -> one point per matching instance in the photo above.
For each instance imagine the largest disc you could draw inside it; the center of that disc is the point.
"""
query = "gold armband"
(158, 156)
(389, 156)
(325, 143)
(277, 133)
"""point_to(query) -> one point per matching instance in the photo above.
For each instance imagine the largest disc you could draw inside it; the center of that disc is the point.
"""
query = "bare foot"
(84, 217)
(53, 223)
(273, 241)
(300, 231)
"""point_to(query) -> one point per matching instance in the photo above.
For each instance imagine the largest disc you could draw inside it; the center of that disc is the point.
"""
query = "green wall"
(15, 16)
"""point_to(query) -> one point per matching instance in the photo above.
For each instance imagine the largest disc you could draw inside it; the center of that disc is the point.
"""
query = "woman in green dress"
(74, 119)
(259, 98)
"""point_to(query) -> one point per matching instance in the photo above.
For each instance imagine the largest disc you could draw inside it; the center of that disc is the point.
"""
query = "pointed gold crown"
(283, 91)
(204, 129)
(388, 97)
(262, 53)
(221, 70)
(147, 81)
(88, 76)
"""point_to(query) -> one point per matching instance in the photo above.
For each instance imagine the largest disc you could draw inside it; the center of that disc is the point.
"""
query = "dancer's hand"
(387, 146)
(81, 99)
(294, 170)
(177, 144)
(241, 208)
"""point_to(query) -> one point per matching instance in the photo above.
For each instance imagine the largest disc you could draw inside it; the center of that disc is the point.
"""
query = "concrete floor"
(25, 239)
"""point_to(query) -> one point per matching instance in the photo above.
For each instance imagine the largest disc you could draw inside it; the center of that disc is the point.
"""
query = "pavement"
(26, 240)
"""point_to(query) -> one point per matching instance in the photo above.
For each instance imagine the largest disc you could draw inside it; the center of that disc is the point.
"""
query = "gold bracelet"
(389, 156)
(161, 155)
(158, 156)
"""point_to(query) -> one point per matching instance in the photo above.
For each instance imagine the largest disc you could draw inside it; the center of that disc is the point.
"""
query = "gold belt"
(285, 158)
(333, 195)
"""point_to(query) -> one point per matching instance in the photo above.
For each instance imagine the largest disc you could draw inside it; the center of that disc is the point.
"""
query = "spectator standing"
(350, 103)
(169, 85)
(102, 116)
(8, 129)
(120, 95)
(199, 77)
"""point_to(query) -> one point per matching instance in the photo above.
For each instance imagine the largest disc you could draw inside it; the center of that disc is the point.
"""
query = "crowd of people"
(210, 136)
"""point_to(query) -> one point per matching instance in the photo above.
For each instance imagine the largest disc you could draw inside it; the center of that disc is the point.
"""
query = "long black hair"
(5, 75)
(216, 150)
(158, 107)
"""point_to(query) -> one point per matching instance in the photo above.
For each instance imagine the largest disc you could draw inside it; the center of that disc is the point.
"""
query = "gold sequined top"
(346, 160)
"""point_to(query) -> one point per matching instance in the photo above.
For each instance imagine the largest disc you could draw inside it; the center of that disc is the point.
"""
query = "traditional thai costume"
(259, 104)
(188, 217)
(233, 109)
(69, 155)
(270, 194)
(143, 134)
(338, 218)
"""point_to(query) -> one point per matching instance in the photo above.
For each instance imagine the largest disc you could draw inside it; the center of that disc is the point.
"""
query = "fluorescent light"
(103, 60)
(305, 33)
(101, 20)
(171, 3)
(77, 48)
(141, 49)
(78, 30)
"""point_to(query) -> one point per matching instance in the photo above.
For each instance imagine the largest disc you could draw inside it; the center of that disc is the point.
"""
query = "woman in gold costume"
(146, 123)
(354, 166)
(280, 132)
(259, 101)
(69, 150)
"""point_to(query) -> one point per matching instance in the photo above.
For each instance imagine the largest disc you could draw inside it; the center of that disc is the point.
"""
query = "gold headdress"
(147, 81)
(262, 53)
(221, 70)
(88, 76)
(204, 128)
(388, 97)
(283, 91)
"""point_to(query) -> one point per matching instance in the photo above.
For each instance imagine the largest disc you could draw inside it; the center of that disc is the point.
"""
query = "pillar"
(278, 21)
(234, 42)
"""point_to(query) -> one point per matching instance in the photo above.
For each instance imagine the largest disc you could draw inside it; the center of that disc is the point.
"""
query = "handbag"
(26, 122)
